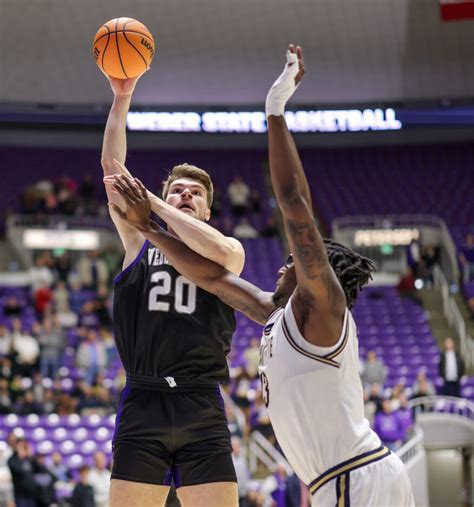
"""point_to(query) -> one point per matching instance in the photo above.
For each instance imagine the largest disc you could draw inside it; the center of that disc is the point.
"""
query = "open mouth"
(185, 206)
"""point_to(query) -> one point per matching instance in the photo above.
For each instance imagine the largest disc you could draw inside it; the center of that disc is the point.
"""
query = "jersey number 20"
(182, 304)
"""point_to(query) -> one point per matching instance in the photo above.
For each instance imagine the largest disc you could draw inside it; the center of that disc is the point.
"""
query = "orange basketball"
(123, 48)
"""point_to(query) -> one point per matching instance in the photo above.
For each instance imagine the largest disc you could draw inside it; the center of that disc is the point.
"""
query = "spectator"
(40, 275)
(87, 192)
(216, 207)
(45, 480)
(260, 420)
(92, 270)
(429, 257)
(83, 494)
(404, 414)
(414, 256)
(5, 342)
(252, 358)
(374, 371)
(5, 368)
(25, 348)
(99, 479)
(275, 486)
(451, 369)
(389, 427)
(91, 355)
(22, 468)
(62, 267)
(6, 486)
(101, 305)
(241, 468)
(52, 341)
(59, 469)
(406, 286)
(270, 229)
(26, 404)
(238, 193)
(255, 201)
(88, 317)
(375, 396)
(5, 398)
(245, 230)
(76, 296)
(428, 386)
(466, 258)
(12, 307)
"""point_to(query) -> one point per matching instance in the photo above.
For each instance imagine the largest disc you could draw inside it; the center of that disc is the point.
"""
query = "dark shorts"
(162, 437)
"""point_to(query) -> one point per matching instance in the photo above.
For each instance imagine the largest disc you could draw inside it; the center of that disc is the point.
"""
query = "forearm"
(287, 174)
(210, 276)
(115, 139)
(199, 236)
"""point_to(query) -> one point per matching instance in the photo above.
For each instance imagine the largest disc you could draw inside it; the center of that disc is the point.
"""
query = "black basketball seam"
(118, 48)
(148, 36)
(126, 38)
(105, 49)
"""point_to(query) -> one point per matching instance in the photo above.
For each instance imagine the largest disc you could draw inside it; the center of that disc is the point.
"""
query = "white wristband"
(283, 88)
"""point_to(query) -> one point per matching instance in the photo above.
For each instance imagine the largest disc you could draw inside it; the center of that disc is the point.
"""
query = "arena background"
(384, 122)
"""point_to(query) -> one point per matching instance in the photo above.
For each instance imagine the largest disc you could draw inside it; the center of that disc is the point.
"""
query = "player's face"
(189, 196)
(286, 282)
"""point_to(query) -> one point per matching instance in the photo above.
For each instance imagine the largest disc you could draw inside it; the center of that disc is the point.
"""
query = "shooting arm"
(114, 146)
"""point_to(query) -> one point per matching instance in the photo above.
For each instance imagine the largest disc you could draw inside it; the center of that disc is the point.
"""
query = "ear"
(207, 215)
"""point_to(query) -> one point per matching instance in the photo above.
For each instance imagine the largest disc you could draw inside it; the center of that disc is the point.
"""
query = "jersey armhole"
(326, 353)
(132, 264)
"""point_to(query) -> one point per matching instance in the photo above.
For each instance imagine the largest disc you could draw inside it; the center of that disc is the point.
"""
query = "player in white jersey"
(309, 352)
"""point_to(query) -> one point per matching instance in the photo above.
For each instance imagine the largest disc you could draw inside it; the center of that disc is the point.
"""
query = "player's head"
(190, 190)
(352, 270)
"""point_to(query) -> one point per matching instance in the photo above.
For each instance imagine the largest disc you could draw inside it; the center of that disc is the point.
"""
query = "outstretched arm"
(114, 146)
(197, 235)
(319, 301)
(208, 275)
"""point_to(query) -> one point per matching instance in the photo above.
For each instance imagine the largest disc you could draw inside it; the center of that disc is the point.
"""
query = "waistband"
(170, 384)
(347, 466)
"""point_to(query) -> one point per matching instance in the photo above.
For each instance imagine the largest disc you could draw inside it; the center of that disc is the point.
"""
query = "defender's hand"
(286, 84)
(134, 193)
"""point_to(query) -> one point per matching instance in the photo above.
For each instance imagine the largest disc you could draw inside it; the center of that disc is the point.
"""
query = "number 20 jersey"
(166, 326)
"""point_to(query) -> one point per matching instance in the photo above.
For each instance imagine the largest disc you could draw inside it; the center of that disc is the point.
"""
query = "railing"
(443, 404)
(413, 447)
(454, 317)
(260, 449)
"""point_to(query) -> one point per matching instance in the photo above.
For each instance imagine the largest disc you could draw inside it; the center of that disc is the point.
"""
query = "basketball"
(123, 48)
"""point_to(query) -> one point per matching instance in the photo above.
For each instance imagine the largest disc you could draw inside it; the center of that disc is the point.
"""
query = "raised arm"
(319, 301)
(208, 275)
(196, 234)
(114, 146)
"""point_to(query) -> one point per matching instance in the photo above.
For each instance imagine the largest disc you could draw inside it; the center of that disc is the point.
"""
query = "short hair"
(194, 173)
(352, 269)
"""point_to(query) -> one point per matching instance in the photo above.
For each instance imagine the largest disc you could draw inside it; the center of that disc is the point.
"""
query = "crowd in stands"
(69, 307)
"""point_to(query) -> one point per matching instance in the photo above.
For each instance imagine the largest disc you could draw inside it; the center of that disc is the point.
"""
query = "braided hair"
(352, 269)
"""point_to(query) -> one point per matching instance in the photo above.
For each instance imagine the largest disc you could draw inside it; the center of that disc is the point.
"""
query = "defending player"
(173, 339)
(309, 352)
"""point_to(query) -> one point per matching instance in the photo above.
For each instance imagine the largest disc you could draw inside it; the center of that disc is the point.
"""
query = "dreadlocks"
(352, 269)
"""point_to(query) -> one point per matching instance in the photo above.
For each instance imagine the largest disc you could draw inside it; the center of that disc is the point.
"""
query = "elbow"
(293, 203)
(107, 165)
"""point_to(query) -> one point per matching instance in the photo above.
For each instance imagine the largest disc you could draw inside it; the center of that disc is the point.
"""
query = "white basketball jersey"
(314, 396)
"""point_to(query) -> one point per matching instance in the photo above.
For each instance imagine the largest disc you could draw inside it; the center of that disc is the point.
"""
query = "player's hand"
(124, 87)
(286, 84)
(134, 194)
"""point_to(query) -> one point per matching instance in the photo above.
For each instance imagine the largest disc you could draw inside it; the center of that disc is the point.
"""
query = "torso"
(314, 396)
(166, 326)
